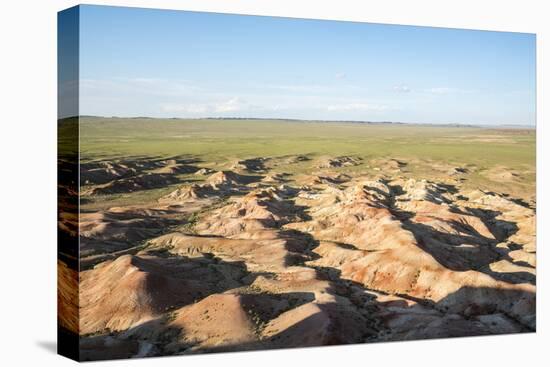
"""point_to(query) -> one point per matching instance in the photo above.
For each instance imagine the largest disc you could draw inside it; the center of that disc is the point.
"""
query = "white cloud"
(340, 76)
(357, 107)
(447, 90)
(141, 85)
(307, 88)
(230, 105)
(401, 89)
(149, 96)
(185, 108)
(441, 90)
(145, 80)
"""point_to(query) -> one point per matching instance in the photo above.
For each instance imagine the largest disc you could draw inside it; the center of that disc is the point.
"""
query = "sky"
(162, 63)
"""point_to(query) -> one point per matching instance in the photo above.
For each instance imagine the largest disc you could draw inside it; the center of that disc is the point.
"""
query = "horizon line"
(447, 124)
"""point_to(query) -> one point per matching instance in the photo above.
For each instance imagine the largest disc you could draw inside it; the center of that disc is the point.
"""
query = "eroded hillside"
(256, 253)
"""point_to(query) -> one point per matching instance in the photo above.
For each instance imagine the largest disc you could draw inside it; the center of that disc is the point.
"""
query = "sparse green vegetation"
(219, 140)
(216, 143)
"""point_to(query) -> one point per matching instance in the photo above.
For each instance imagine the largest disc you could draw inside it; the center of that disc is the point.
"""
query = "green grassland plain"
(215, 142)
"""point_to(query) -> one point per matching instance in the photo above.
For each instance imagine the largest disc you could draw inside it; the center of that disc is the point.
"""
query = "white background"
(28, 181)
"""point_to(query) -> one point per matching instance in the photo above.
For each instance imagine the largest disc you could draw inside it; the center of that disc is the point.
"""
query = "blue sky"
(158, 63)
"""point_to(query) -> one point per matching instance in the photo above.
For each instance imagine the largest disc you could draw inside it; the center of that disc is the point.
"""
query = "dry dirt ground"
(259, 255)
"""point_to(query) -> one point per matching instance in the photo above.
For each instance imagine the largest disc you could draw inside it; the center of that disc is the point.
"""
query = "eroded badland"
(198, 239)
